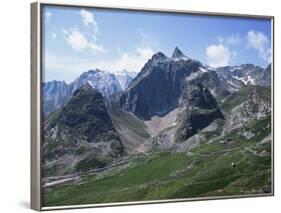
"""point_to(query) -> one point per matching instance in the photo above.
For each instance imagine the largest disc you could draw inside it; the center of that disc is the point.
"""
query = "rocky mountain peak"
(85, 88)
(158, 56)
(82, 127)
(89, 72)
(247, 66)
(178, 53)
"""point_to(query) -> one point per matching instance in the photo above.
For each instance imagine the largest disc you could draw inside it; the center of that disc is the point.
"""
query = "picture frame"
(38, 118)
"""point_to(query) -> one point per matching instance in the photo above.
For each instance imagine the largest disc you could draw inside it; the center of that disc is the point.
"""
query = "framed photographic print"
(137, 105)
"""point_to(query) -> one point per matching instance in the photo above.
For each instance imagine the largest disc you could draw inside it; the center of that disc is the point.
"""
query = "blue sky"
(78, 39)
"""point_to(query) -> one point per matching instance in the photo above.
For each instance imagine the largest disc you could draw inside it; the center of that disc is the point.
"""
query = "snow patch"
(192, 76)
(246, 80)
(240, 79)
(203, 69)
(251, 80)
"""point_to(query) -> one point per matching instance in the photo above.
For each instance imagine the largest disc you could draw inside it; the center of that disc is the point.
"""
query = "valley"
(206, 170)
(178, 129)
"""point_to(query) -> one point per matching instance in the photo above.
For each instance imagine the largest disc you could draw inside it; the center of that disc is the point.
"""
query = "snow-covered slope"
(104, 82)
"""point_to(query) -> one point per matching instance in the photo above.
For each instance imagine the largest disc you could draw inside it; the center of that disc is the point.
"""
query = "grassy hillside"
(236, 167)
(226, 161)
(134, 124)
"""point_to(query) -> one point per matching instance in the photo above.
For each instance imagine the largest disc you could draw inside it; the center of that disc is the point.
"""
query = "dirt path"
(52, 181)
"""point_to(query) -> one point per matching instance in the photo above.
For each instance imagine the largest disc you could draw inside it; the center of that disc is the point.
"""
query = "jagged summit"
(159, 56)
(85, 88)
(178, 53)
(93, 71)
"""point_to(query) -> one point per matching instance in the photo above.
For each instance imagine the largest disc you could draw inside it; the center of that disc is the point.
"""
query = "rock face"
(57, 93)
(157, 88)
(86, 114)
(245, 74)
(201, 109)
(211, 81)
(80, 131)
(250, 102)
(255, 106)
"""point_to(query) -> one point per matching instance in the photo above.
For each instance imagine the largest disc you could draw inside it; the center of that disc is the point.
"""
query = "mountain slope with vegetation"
(180, 129)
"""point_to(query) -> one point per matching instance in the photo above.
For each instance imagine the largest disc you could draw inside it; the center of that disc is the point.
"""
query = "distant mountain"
(246, 74)
(81, 132)
(264, 78)
(57, 93)
(157, 88)
(176, 119)
(124, 77)
(105, 82)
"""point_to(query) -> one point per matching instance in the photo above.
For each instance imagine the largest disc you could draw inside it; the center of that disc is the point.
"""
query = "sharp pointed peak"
(178, 53)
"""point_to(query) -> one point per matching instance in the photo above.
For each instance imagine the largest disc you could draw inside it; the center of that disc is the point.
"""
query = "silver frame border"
(35, 110)
(36, 81)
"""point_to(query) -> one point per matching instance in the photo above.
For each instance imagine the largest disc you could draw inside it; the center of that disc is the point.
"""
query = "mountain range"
(105, 122)
(57, 93)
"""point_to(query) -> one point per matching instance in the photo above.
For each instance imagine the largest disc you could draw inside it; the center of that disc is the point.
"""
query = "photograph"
(153, 106)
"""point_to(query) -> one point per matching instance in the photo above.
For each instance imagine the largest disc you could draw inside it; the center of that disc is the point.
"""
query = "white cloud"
(65, 31)
(54, 35)
(218, 55)
(76, 40)
(96, 47)
(147, 40)
(257, 40)
(231, 40)
(68, 64)
(88, 18)
(79, 42)
(131, 62)
(260, 42)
